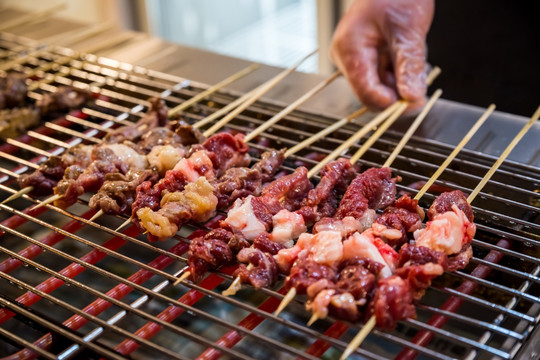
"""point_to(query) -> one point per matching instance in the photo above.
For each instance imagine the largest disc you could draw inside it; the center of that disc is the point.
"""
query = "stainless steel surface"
(125, 281)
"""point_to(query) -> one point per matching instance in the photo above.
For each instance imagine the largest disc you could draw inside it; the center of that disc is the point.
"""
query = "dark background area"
(489, 51)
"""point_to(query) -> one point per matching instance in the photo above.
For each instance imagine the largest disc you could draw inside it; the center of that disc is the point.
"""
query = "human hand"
(379, 46)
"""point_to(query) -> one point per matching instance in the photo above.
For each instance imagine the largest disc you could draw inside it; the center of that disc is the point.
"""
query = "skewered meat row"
(122, 158)
(199, 199)
(369, 191)
(14, 120)
(203, 163)
(217, 247)
(247, 222)
(47, 176)
(443, 245)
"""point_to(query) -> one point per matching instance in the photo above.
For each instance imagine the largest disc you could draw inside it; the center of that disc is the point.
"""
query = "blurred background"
(488, 49)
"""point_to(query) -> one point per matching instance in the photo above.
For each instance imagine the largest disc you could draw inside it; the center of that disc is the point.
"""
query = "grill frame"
(266, 109)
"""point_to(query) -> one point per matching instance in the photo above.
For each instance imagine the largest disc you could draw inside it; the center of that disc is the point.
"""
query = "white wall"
(83, 11)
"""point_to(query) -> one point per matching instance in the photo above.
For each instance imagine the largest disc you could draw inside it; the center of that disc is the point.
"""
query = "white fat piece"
(325, 247)
(360, 245)
(165, 157)
(128, 155)
(241, 218)
(287, 226)
(444, 233)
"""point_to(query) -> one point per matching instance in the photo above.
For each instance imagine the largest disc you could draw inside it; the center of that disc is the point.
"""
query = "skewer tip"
(18, 194)
(183, 277)
(312, 319)
(47, 201)
(286, 301)
(359, 338)
(124, 224)
(233, 289)
(96, 215)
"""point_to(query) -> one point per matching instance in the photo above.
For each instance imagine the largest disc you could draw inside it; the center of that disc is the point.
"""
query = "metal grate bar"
(473, 322)
(40, 320)
(73, 133)
(498, 287)
(487, 304)
(460, 339)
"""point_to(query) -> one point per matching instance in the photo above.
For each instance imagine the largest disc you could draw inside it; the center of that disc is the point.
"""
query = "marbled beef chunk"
(392, 302)
(306, 272)
(444, 202)
(403, 216)
(155, 116)
(373, 189)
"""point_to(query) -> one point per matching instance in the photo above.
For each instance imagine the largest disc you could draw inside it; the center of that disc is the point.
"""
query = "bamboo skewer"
(47, 201)
(263, 89)
(18, 194)
(456, 150)
(291, 107)
(212, 89)
(414, 126)
(380, 130)
(504, 155)
(330, 129)
(292, 292)
(355, 137)
(359, 338)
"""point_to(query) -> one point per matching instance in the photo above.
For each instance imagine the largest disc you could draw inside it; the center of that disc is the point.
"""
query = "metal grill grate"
(72, 287)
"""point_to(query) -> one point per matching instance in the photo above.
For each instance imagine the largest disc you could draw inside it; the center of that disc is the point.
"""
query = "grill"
(75, 288)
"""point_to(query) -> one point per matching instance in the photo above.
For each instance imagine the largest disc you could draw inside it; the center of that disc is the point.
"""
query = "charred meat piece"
(264, 269)
(117, 193)
(228, 151)
(112, 158)
(253, 215)
(306, 272)
(419, 265)
(65, 98)
(322, 201)
(239, 182)
(195, 202)
(392, 302)
(13, 90)
(188, 134)
(155, 116)
(209, 251)
(46, 177)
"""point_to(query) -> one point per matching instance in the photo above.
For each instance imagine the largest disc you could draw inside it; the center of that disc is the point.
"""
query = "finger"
(386, 69)
(406, 33)
(360, 67)
(410, 67)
